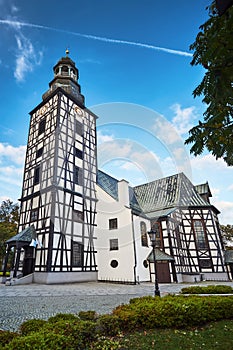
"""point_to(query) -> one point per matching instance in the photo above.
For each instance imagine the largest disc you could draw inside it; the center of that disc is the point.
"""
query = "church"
(78, 223)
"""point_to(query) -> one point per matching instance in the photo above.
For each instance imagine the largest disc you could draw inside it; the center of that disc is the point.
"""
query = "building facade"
(188, 244)
(77, 224)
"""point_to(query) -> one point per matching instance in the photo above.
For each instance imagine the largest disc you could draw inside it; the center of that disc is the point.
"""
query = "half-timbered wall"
(192, 237)
(58, 194)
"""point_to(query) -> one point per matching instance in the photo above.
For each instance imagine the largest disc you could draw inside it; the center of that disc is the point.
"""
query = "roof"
(167, 193)
(108, 184)
(203, 189)
(24, 236)
(159, 256)
(228, 255)
(160, 197)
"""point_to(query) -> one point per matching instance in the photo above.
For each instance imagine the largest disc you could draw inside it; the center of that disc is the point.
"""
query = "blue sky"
(134, 63)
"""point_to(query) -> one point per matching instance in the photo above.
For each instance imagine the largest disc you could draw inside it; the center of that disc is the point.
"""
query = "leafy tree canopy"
(213, 49)
(9, 218)
(227, 234)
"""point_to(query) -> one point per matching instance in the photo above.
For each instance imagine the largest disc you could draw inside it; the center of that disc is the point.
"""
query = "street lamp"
(153, 234)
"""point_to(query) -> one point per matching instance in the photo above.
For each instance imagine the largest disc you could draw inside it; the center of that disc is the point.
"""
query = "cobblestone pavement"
(23, 302)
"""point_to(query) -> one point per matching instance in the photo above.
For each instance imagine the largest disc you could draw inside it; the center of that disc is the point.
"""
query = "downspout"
(134, 248)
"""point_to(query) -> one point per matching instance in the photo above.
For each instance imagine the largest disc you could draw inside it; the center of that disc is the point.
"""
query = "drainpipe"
(135, 255)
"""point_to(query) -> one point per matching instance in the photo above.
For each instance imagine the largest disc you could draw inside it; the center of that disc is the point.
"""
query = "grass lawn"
(216, 335)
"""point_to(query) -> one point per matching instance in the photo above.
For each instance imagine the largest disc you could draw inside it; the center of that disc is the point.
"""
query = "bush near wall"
(220, 289)
(68, 331)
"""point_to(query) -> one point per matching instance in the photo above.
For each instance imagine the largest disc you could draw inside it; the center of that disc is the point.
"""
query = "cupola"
(66, 77)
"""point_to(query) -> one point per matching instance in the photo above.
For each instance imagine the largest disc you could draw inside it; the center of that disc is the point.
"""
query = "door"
(163, 272)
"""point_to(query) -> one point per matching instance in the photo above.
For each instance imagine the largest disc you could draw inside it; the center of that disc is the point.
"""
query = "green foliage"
(105, 344)
(227, 233)
(30, 326)
(108, 325)
(6, 337)
(173, 311)
(37, 341)
(216, 335)
(220, 289)
(63, 317)
(88, 315)
(213, 49)
(7, 274)
(9, 218)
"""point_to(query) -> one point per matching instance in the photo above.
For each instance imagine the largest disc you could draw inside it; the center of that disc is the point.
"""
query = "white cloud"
(101, 138)
(226, 209)
(184, 118)
(26, 56)
(165, 131)
(12, 154)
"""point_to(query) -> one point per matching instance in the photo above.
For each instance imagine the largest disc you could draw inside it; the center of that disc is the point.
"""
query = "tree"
(213, 49)
(227, 234)
(9, 219)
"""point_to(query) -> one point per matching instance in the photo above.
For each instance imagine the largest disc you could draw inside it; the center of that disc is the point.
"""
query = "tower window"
(42, 126)
(39, 152)
(34, 214)
(77, 254)
(79, 128)
(78, 215)
(78, 175)
(78, 153)
(37, 176)
(113, 224)
(113, 244)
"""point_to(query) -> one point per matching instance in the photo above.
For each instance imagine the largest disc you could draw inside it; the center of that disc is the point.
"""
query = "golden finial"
(67, 52)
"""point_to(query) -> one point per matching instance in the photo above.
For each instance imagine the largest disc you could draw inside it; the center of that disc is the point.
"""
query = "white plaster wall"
(108, 208)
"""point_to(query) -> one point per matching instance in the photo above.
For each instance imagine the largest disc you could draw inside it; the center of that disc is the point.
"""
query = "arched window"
(144, 238)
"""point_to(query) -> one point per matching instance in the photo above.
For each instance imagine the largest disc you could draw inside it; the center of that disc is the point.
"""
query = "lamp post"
(153, 234)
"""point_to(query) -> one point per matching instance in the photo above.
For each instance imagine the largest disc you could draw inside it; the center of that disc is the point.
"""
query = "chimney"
(123, 192)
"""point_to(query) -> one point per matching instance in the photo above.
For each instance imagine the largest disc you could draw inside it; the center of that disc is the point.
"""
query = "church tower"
(58, 194)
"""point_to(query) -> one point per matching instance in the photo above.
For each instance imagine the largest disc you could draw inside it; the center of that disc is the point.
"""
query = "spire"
(66, 77)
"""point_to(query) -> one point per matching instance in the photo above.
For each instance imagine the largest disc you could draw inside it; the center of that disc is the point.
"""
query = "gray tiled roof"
(157, 198)
(108, 184)
(26, 235)
(203, 189)
(170, 192)
(159, 256)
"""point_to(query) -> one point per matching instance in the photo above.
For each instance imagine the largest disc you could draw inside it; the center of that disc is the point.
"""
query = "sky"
(134, 65)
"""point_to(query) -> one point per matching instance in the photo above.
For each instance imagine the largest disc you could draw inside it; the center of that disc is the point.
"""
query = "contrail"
(93, 37)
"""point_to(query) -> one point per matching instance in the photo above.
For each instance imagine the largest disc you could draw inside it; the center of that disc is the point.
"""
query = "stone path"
(23, 302)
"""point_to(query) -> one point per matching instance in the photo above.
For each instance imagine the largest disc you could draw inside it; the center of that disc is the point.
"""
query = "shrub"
(173, 311)
(88, 315)
(6, 337)
(105, 344)
(108, 325)
(30, 326)
(35, 341)
(219, 289)
(63, 317)
(81, 332)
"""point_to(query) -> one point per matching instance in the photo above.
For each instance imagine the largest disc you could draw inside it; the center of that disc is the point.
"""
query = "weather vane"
(67, 52)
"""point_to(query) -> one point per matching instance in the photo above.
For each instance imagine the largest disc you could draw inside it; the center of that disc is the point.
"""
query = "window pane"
(113, 244)
(113, 224)
(144, 239)
(42, 126)
(200, 235)
(37, 176)
(77, 254)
